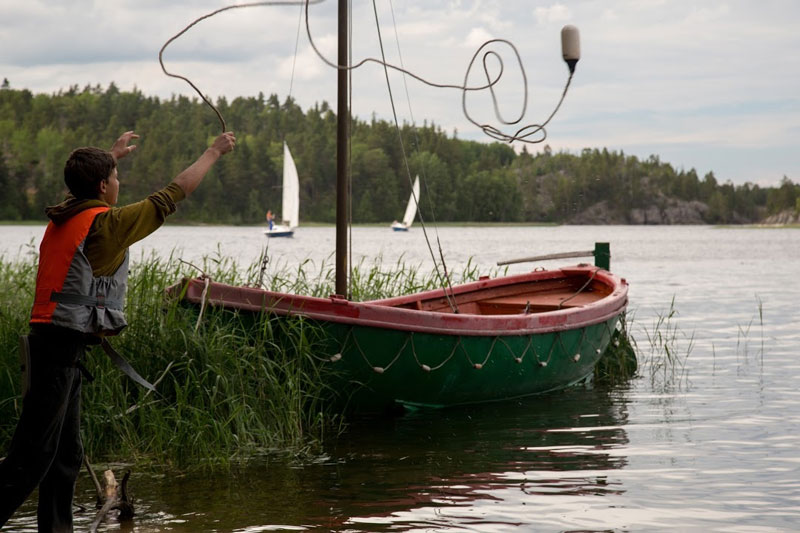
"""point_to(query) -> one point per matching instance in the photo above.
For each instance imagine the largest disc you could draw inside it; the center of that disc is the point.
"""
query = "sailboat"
(488, 340)
(290, 208)
(411, 209)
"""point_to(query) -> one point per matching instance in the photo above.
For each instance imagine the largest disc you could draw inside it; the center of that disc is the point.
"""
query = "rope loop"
(523, 134)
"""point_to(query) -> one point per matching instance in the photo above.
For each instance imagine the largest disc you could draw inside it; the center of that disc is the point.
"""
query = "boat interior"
(522, 298)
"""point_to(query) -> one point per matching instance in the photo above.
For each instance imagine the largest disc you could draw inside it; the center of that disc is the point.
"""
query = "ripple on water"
(716, 451)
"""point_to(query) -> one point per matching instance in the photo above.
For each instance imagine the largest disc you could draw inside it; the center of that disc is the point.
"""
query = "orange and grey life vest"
(67, 293)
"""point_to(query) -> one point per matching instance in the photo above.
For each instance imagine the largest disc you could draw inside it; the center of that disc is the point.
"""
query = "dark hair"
(85, 168)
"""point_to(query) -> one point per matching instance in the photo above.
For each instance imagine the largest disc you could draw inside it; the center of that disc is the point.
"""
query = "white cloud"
(553, 14)
(476, 37)
(308, 66)
(720, 76)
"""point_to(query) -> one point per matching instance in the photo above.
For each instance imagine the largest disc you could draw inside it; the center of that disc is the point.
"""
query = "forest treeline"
(462, 180)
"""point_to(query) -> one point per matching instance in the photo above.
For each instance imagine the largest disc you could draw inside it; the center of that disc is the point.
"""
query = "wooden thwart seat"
(533, 297)
(541, 302)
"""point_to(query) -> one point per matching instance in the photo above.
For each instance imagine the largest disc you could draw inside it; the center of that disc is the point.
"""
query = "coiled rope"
(209, 15)
(523, 134)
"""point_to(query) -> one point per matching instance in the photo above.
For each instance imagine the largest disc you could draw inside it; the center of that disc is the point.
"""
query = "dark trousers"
(46, 449)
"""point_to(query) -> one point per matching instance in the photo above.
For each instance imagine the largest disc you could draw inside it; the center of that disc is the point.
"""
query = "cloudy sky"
(712, 85)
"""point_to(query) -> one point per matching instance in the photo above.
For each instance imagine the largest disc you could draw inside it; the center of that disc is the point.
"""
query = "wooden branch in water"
(110, 497)
(125, 506)
(115, 497)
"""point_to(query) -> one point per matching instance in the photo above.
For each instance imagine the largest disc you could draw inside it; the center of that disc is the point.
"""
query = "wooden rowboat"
(492, 339)
(488, 340)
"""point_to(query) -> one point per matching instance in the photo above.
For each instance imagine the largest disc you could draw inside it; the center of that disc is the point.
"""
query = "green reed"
(17, 282)
(231, 385)
(618, 363)
(234, 387)
(663, 358)
(743, 334)
(369, 280)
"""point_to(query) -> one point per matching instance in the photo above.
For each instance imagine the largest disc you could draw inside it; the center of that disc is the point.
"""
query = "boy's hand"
(224, 143)
(120, 148)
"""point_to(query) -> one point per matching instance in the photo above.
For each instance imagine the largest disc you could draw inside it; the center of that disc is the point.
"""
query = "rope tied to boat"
(575, 351)
(583, 287)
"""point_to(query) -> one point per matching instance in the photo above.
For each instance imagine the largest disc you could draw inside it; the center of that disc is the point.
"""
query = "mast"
(342, 139)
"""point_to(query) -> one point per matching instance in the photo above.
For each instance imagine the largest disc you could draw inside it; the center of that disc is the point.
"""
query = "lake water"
(716, 448)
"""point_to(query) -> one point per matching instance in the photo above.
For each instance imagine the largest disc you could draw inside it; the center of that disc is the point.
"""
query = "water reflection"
(419, 468)
(488, 466)
(717, 453)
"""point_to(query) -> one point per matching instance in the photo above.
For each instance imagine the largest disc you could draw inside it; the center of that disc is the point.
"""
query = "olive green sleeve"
(115, 230)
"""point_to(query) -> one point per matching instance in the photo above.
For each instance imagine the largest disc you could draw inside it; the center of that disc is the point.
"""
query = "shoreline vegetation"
(230, 388)
(466, 181)
(763, 225)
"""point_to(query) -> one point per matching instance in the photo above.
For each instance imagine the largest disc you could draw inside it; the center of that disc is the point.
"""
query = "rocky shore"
(666, 211)
(784, 218)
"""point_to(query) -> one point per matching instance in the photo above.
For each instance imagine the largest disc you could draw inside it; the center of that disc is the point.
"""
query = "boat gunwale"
(386, 315)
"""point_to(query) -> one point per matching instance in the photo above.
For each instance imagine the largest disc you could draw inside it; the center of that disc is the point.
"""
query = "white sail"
(291, 190)
(411, 208)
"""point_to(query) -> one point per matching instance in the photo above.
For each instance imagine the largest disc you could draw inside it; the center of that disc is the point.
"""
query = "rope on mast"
(444, 279)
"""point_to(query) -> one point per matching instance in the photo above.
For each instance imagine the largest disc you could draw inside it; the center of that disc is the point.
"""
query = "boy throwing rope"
(80, 290)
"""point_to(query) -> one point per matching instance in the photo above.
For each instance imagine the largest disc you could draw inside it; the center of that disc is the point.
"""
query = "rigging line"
(424, 177)
(447, 279)
(413, 123)
(209, 15)
(443, 280)
(414, 131)
(296, 43)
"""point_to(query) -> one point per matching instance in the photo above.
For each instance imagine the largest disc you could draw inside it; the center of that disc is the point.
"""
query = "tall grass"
(229, 386)
(17, 282)
(743, 334)
(369, 280)
(618, 363)
(663, 359)
(236, 386)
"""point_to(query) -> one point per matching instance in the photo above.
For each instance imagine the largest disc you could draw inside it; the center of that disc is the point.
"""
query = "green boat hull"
(487, 340)
(376, 368)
